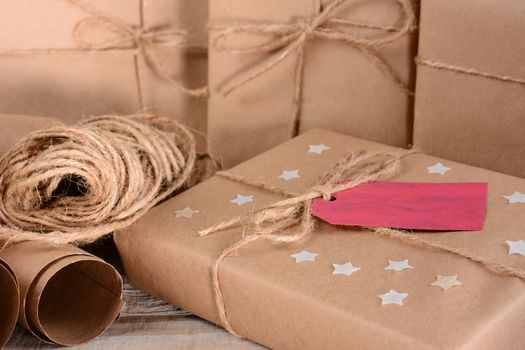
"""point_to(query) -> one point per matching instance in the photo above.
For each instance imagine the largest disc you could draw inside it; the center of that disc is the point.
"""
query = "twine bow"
(293, 38)
(293, 214)
(136, 39)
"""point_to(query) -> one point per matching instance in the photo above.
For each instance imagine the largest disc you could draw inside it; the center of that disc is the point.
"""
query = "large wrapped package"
(338, 287)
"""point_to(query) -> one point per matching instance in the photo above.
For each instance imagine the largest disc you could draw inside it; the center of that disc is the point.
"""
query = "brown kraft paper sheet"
(67, 295)
(286, 305)
(9, 294)
(49, 74)
(342, 88)
(466, 117)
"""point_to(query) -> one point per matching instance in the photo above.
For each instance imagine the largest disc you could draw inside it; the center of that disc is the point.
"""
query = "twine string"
(468, 70)
(288, 39)
(75, 184)
(293, 214)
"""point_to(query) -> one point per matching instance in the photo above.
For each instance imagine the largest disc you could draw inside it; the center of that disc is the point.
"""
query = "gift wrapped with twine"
(342, 65)
(254, 221)
(104, 57)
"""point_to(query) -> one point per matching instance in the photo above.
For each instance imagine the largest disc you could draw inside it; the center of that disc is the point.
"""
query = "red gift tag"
(404, 205)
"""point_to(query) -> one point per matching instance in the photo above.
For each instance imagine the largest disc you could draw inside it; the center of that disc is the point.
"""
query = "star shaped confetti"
(289, 175)
(344, 269)
(516, 247)
(438, 168)
(241, 199)
(318, 149)
(304, 256)
(398, 265)
(186, 213)
(392, 297)
(516, 197)
(446, 282)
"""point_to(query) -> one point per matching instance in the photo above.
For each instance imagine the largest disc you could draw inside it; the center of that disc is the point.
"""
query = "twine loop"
(75, 184)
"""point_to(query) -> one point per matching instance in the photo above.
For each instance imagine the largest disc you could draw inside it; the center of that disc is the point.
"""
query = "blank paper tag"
(404, 205)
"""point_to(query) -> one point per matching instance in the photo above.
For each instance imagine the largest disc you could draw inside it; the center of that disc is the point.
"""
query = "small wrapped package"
(67, 296)
(337, 287)
(471, 82)
(76, 58)
(9, 294)
(279, 68)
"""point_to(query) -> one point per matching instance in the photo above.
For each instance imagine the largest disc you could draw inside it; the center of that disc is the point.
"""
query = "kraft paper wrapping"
(65, 83)
(286, 305)
(467, 117)
(9, 299)
(13, 127)
(67, 296)
(342, 89)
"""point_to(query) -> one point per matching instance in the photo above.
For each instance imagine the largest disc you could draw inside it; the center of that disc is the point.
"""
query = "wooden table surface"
(146, 323)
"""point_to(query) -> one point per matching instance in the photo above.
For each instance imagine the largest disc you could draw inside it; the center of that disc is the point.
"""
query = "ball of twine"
(75, 184)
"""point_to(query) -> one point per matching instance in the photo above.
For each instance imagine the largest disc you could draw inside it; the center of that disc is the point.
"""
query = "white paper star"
(438, 168)
(392, 297)
(398, 265)
(304, 256)
(318, 149)
(289, 175)
(446, 282)
(345, 269)
(516, 197)
(241, 199)
(516, 247)
(186, 213)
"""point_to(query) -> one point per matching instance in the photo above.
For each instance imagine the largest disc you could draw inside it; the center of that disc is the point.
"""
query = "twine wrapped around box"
(293, 213)
(289, 38)
(128, 38)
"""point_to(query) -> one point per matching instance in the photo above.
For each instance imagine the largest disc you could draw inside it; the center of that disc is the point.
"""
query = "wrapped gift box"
(279, 303)
(75, 58)
(342, 85)
(471, 82)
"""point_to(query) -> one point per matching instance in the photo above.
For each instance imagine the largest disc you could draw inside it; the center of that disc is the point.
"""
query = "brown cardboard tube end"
(74, 302)
(9, 301)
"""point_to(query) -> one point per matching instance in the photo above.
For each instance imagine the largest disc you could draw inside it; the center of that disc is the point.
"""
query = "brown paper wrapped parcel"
(60, 294)
(279, 303)
(76, 58)
(279, 68)
(470, 101)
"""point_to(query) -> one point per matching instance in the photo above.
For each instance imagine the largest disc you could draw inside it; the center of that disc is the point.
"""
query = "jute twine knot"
(289, 38)
(75, 184)
(290, 220)
(134, 37)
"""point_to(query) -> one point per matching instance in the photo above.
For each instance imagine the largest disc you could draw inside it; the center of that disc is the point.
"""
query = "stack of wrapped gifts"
(365, 186)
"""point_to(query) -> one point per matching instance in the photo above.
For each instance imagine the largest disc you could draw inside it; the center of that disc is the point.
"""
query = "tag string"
(292, 214)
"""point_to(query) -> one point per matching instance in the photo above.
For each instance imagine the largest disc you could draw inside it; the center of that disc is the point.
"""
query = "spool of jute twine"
(75, 184)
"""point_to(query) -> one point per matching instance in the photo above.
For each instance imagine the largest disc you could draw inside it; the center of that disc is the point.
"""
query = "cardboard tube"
(67, 296)
(9, 301)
